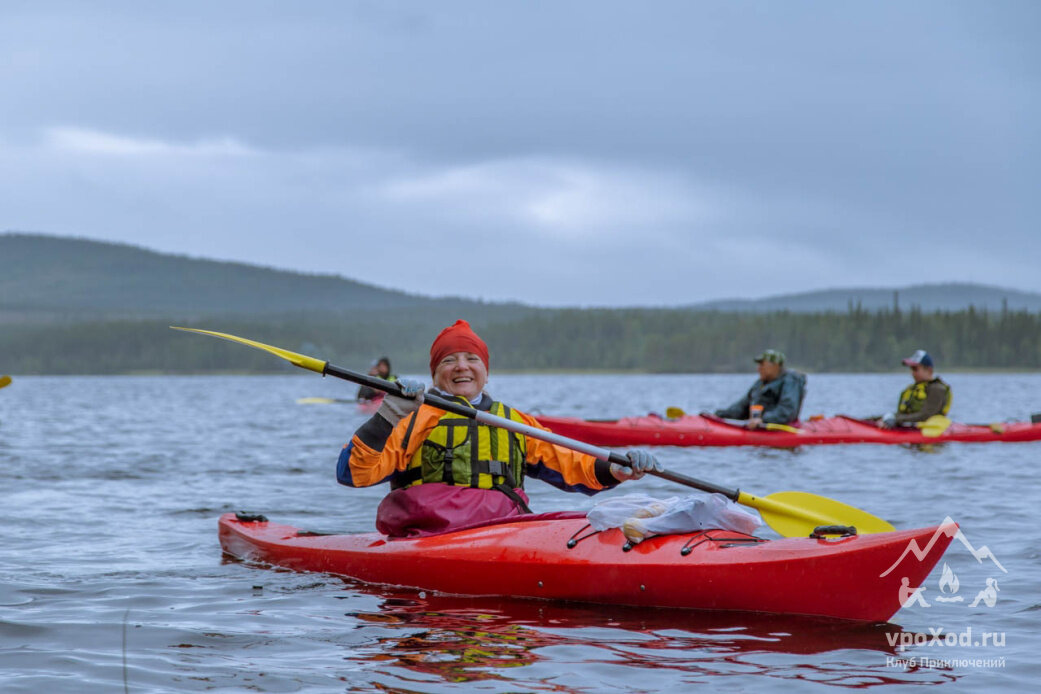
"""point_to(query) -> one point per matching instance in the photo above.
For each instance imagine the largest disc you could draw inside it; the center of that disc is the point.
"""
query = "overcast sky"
(589, 153)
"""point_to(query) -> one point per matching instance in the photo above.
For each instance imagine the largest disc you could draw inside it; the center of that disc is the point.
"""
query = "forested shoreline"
(647, 340)
(76, 306)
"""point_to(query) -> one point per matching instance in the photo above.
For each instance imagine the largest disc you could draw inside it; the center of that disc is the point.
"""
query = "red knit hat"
(458, 337)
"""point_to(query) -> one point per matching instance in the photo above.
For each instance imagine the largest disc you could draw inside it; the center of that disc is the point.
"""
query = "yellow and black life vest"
(462, 452)
(913, 397)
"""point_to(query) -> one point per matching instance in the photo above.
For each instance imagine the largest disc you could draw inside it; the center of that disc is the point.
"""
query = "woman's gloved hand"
(397, 407)
(640, 463)
(411, 388)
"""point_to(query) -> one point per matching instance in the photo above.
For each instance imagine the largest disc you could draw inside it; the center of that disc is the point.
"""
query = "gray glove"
(411, 388)
(641, 463)
(395, 407)
(889, 420)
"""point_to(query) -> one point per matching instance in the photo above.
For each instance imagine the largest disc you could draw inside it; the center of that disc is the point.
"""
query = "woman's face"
(461, 373)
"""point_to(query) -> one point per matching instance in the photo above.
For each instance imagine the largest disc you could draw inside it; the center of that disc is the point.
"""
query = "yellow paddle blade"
(934, 426)
(316, 401)
(301, 360)
(674, 412)
(796, 514)
(5, 381)
(782, 427)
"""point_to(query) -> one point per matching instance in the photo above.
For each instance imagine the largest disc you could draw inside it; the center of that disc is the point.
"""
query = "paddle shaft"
(520, 428)
(786, 512)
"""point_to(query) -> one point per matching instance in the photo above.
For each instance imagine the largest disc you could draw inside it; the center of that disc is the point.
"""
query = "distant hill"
(927, 297)
(71, 278)
(73, 306)
(58, 279)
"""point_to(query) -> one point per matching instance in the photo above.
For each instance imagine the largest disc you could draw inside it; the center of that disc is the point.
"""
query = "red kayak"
(696, 430)
(370, 406)
(558, 557)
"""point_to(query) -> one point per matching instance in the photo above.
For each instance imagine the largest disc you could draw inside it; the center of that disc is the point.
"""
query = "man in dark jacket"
(775, 398)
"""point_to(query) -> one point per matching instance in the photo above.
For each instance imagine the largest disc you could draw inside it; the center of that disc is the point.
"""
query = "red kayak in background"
(697, 430)
(370, 406)
(558, 557)
(364, 406)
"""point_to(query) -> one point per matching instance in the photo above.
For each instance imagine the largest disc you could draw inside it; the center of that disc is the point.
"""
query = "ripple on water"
(112, 488)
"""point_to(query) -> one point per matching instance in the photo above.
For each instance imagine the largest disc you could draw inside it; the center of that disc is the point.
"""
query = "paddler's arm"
(738, 410)
(935, 399)
(386, 442)
(563, 468)
(372, 457)
(788, 404)
(361, 459)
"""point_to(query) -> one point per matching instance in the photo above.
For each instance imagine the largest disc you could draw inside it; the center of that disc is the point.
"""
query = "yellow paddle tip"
(934, 426)
(796, 514)
(301, 360)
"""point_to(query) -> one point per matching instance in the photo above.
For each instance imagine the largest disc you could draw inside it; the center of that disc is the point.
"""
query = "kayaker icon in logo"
(948, 582)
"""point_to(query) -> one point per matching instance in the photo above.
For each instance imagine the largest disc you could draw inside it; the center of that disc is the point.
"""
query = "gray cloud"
(590, 153)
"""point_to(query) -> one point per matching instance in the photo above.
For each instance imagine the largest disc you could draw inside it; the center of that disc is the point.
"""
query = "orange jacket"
(376, 452)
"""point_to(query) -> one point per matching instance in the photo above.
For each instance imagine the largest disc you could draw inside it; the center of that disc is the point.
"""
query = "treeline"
(121, 347)
(651, 340)
(681, 341)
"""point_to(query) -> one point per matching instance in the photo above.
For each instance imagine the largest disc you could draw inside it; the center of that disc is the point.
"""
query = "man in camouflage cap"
(775, 398)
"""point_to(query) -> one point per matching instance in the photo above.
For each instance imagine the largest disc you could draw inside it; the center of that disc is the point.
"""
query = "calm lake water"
(111, 577)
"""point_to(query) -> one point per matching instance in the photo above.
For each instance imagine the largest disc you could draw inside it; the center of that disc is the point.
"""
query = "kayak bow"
(558, 557)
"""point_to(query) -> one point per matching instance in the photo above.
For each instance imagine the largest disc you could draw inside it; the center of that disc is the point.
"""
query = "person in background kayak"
(380, 368)
(448, 471)
(775, 398)
(926, 397)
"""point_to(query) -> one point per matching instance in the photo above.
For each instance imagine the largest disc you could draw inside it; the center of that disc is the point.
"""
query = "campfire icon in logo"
(948, 583)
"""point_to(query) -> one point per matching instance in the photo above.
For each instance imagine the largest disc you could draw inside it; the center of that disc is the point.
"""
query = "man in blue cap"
(926, 397)
(775, 398)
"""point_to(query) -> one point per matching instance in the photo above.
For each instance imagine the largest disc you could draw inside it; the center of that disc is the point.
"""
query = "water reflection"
(457, 639)
(152, 463)
(455, 647)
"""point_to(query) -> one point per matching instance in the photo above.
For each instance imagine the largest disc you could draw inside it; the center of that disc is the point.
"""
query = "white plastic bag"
(639, 516)
(611, 513)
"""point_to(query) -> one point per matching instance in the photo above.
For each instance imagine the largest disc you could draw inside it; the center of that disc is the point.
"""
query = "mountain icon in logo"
(949, 529)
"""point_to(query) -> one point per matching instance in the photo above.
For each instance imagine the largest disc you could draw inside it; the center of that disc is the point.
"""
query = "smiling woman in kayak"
(448, 471)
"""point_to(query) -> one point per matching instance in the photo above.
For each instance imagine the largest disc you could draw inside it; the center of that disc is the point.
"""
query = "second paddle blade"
(796, 514)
